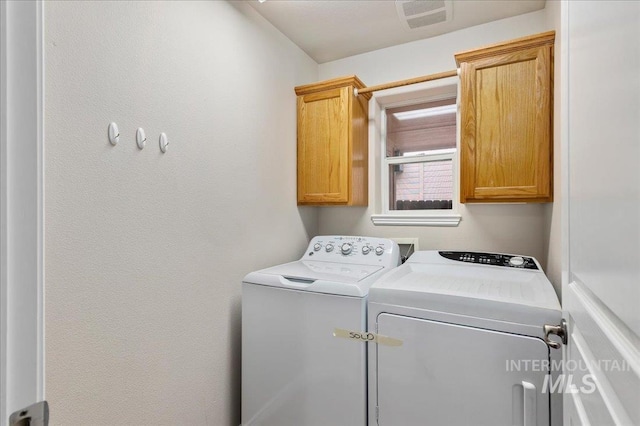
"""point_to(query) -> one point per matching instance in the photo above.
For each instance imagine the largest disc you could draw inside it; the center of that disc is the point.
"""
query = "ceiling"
(333, 29)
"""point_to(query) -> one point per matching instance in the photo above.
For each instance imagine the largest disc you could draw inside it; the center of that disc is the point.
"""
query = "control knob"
(328, 247)
(346, 248)
(366, 250)
(379, 250)
(317, 246)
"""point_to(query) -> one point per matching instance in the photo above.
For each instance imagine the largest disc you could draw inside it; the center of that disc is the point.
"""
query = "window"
(419, 164)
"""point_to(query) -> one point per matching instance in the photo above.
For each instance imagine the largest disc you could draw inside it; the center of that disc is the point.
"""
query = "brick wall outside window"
(425, 181)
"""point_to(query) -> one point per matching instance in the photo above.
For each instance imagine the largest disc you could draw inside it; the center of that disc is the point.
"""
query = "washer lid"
(329, 271)
(492, 292)
(319, 276)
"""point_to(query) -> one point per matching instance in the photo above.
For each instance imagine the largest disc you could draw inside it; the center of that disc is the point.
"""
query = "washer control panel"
(347, 249)
(495, 259)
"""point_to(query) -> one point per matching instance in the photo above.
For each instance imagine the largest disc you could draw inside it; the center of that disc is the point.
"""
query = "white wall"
(515, 228)
(145, 252)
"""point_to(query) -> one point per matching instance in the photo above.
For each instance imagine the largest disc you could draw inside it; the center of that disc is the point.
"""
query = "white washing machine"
(468, 342)
(303, 358)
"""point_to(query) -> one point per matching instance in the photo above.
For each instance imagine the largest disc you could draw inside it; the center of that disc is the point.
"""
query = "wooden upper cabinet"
(332, 143)
(506, 114)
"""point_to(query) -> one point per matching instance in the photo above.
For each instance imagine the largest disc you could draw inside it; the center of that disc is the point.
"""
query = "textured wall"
(145, 252)
(511, 228)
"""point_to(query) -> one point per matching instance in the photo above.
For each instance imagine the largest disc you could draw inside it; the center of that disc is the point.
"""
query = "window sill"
(415, 220)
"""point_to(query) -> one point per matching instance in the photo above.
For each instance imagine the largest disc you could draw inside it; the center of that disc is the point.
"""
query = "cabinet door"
(323, 147)
(506, 151)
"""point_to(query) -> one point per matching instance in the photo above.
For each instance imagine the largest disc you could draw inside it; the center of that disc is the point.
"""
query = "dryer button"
(516, 261)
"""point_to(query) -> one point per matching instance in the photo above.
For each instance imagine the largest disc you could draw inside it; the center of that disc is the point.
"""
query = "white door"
(601, 287)
(451, 375)
(21, 322)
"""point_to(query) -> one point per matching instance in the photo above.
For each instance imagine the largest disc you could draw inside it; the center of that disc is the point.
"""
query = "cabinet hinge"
(558, 330)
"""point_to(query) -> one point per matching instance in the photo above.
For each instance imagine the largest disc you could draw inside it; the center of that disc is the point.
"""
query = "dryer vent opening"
(421, 13)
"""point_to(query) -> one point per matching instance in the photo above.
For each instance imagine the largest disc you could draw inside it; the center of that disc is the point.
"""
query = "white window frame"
(440, 217)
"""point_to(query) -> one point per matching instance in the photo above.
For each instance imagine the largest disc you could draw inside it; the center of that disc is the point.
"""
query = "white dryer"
(303, 363)
(469, 342)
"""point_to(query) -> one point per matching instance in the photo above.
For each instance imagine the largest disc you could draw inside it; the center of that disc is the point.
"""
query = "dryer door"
(446, 374)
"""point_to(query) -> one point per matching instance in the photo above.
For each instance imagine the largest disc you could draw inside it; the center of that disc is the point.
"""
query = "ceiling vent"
(421, 13)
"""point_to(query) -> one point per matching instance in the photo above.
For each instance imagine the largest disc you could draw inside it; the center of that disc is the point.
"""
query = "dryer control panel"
(495, 259)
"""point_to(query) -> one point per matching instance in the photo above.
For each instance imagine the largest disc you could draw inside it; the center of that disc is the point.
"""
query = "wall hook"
(164, 142)
(141, 139)
(114, 134)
